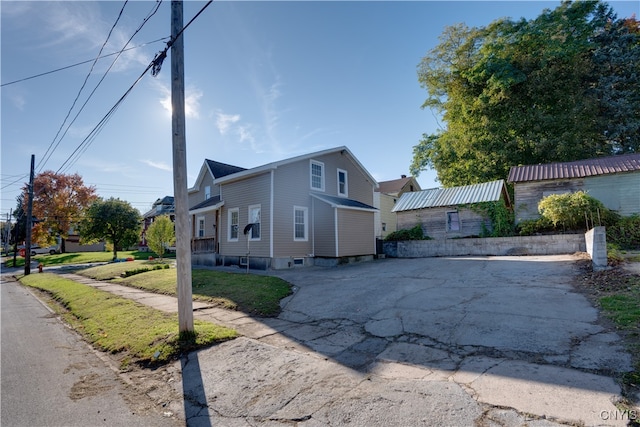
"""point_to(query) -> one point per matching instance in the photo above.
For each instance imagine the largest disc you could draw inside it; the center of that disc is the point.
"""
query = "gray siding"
(209, 222)
(242, 194)
(354, 232)
(528, 194)
(434, 222)
(198, 196)
(323, 229)
(619, 192)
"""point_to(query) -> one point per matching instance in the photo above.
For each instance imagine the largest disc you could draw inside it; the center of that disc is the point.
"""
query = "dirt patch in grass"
(616, 292)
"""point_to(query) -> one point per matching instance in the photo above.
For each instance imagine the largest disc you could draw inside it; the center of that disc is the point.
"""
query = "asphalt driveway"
(435, 341)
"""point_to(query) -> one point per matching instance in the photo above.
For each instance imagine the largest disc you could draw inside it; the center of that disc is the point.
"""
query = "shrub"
(575, 211)
(625, 233)
(414, 233)
(530, 227)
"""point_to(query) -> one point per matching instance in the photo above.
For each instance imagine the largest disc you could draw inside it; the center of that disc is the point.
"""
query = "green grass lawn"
(81, 258)
(138, 333)
(250, 293)
(117, 269)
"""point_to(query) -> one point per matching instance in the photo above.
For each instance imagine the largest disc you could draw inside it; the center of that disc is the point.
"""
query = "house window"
(201, 226)
(384, 226)
(207, 192)
(453, 221)
(300, 227)
(254, 218)
(317, 175)
(234, 220)
(342, 183)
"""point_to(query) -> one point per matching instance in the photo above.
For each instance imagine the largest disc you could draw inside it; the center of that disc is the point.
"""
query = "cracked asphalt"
(486, 341)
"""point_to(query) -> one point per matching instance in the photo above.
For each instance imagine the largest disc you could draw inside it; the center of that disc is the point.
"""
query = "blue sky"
(264, 81)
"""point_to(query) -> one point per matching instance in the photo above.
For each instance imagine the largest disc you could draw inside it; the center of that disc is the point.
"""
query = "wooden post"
(27, 243)
(183, 238)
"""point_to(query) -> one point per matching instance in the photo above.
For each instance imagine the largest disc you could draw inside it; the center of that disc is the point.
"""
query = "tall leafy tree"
(114, 221)
(526, 92)
(59, 202)
(160, 234)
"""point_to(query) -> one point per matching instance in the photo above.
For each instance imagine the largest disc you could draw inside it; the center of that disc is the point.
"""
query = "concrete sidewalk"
(507, 343)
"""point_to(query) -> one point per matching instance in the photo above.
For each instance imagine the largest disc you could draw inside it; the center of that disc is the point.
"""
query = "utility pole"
(183, 234)
(27, 243)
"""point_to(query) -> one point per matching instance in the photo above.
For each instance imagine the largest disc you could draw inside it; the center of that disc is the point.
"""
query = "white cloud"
(225, 121)
(158, 165)
(19, 102)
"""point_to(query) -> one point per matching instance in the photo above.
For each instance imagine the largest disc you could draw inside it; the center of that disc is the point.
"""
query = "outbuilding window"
(453, 221)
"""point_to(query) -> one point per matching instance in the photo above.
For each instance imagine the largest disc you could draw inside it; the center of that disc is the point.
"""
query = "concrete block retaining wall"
(518, 245)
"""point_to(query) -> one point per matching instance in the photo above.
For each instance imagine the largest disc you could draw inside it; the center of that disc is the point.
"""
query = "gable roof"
(218, 170)
(274, 165)
(394, 186)
(341, 202)
(577, 169)
(438, 197)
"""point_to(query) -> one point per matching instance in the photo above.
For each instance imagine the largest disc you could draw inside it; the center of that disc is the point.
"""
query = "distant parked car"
(35, 249)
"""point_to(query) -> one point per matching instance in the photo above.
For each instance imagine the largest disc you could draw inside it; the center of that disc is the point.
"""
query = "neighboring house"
(314, 209)
(164, 206)
(614, 180)
(385, 199)
(446, 213)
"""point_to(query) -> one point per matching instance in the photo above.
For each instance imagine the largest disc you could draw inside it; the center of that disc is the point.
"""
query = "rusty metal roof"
(577, 169)
(437, 197)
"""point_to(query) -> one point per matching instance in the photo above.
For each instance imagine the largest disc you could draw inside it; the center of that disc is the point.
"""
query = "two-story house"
(314, 209)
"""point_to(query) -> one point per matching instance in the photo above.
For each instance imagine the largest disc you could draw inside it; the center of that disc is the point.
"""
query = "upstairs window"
(207, 192)
(342, 183)
(317, 175)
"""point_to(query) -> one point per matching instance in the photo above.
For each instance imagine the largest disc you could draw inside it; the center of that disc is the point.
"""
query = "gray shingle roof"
(211, 201)
(343, 202)
(222, 169)
(577, 169)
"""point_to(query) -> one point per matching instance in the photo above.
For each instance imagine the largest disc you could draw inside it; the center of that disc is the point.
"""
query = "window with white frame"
(207, 192)
(317, 175)
(234, 221)
(300, 224)
(342, 183)
(453, 221)
(200, 226)
(254, 218)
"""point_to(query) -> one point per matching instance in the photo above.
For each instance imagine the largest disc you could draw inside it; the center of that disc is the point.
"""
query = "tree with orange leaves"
(59, 202)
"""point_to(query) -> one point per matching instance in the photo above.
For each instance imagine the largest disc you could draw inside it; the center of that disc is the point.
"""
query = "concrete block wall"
(518, 245)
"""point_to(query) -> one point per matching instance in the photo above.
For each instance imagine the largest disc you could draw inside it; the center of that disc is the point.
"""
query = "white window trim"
(201, 221)
(249, 219)
(229, 216)
(315, 162)
(306, 224)
(346, 183)
(207, 192)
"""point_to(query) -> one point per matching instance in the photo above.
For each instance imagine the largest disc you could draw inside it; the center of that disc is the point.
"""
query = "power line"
(146, 19)
(45, 158)
(155, 65)
(81, 63)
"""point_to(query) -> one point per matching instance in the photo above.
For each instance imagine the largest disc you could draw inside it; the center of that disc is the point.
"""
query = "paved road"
(51, 377)
(488, 341)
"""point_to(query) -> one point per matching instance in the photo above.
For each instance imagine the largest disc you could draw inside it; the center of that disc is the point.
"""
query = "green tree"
(575, 211)
(527, 92)
(160, 234)
(114, 221)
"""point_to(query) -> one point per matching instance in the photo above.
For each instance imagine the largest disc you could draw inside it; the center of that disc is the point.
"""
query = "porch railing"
(203, 244)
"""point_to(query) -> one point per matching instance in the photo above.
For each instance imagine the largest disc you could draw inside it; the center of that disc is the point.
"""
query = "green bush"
(530, 227)
(575, 211)
(414, 233)
(625, 233)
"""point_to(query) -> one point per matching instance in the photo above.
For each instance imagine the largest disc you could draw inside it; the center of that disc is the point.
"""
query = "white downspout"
(335, 225)
(271, 197)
